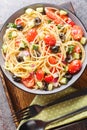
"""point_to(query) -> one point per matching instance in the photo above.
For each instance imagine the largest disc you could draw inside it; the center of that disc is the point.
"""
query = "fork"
(35, 109)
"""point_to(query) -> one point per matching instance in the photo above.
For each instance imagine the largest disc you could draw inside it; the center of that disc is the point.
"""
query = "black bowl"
(7, 73)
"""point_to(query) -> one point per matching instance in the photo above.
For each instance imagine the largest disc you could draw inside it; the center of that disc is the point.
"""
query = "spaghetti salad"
(43, 48)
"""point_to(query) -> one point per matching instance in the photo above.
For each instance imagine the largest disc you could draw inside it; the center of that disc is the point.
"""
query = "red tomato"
(19, 21)
(70, 22)
(52, 60)
(50, 13)
(48, 78)
(50, 40)
(67, 20)
(28, 82)
(32, 33)
(64, 17)
(74, 66)
(77, 49)
(76, 32)
(39, 74)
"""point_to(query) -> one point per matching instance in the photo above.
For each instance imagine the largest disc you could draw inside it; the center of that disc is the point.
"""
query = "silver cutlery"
(33, 110)
(40, 125)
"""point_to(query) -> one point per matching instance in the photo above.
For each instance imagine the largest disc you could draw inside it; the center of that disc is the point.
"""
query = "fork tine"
(21, 113)
(18, 119)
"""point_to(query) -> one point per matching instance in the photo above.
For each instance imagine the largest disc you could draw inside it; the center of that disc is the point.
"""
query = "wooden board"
(19, 99)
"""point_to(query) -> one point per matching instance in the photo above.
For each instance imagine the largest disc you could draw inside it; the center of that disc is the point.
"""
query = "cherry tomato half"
(77, 49)
(74, 66)
(28, 82)
(50, 13)
(76, 32)
(40, 74)
(19, 21)
(52, 60)
(32, 33)
(48, 78)
(67, 20)
(50, 40)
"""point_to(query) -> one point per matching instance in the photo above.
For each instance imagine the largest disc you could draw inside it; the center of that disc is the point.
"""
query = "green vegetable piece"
(4, 48)
(59, 26)
(76, 55)
(22, 45)
(50, 87)
(35, 47)
(63, 12)
(11, 25)
(83, 40)
(66, 68)
(64, 80)
(10, 35)
(70, 49)
(49, 21)
(40, 85)
(39, 9)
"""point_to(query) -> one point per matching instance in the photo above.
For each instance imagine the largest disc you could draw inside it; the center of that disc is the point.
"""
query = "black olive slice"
(20, 59)
(37, 21)
(55, 49)
(68, 75)
(16, 78)
(19, 27)
(62, 37)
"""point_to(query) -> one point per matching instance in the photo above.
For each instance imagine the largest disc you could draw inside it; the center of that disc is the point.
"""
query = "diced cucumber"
(50, 87)
(10, 35)
(31, 24)
(76, 56)
(39, 84)
(83, 40)
(29, 11)
(39, 9)
(21, 46)
(14, 34)
(63, 12)
(66, 68)
(64, 80)
(4, 48)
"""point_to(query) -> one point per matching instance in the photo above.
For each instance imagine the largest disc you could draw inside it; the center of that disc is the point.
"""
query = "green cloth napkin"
(59, 109)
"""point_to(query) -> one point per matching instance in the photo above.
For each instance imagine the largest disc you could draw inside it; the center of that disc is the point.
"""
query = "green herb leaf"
(11, 25)
(70, 49)
(35, 47)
